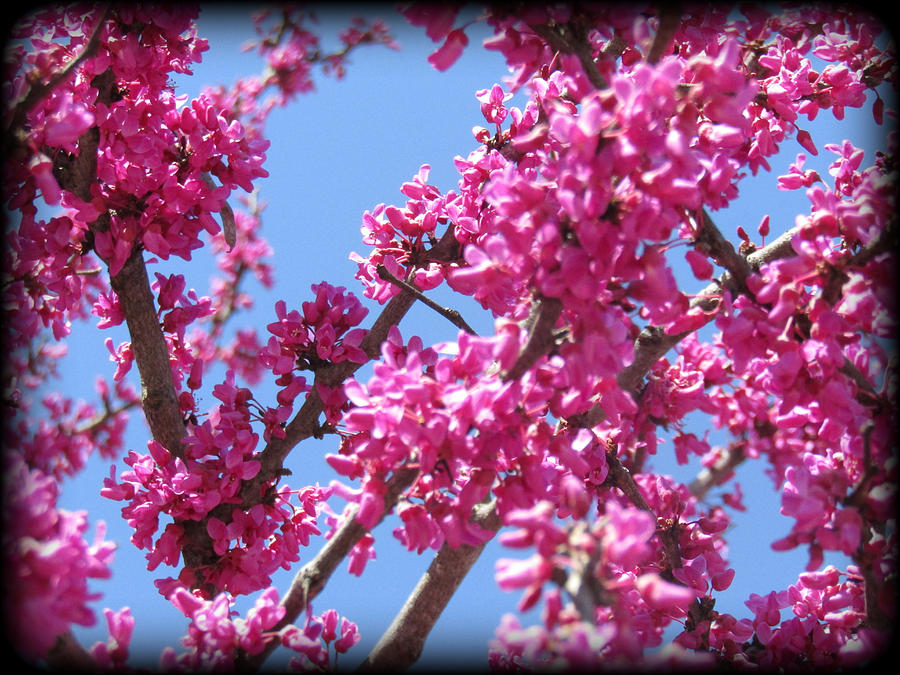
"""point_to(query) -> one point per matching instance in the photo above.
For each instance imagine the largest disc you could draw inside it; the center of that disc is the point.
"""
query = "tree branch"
(402, 643)
(151, 353)
(541, 339)
(450, 314)
(709, 240)
(583, 586)
(669, 20)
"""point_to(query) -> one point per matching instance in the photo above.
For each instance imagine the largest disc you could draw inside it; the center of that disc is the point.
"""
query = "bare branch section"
(582, 584)
(669, 20)
(451, 315)
(151, 353)
(68, 655)
(541, 339)
(709, 240)
(402, 643)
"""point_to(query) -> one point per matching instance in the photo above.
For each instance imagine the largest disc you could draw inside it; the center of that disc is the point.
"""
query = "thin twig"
(708, 478)
(100, 419)
(557, 37)
(68, 655)
(451, 315)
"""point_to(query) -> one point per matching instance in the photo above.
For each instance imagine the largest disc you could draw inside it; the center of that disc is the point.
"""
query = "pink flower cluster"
(462, 430)
(153, 151)
(324, 333)
(614, 179)
(313, 641)
(78, 429)
(400, 238)
(823, 630)
(216, 636)
(220, 453)
(415, 409)
(624, 168)
(49, 283)
(113, 654)
(46, 560)
(611, 568)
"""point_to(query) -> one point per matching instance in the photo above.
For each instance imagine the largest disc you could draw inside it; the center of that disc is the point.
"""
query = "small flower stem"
(559, 39)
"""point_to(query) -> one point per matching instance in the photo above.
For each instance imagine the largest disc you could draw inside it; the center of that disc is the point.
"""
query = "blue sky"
(334, 154)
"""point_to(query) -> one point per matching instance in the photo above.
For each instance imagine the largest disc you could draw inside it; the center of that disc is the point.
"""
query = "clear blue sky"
(335, 153)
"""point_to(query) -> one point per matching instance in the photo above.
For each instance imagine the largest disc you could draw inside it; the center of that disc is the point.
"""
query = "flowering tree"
(640, 123)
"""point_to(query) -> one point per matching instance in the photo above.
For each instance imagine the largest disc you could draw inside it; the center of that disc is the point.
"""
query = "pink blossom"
(363, 551)
(663, 595)
(626, 540)
(492, 104)
(63, 128)
(448, 53)
(114, 652)
(700, 265)
(46, 559)
(438, 21)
